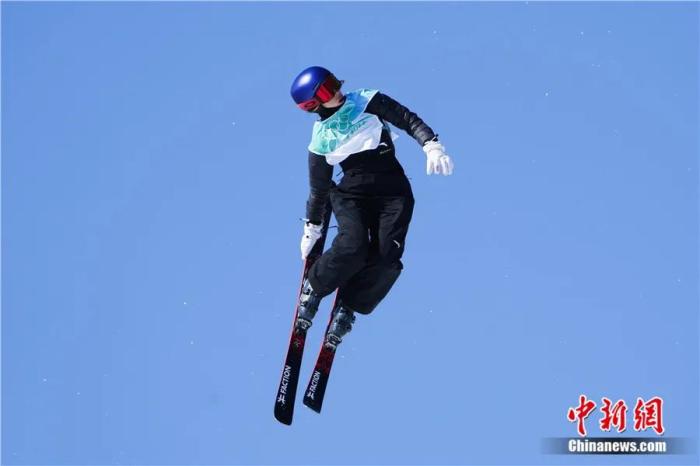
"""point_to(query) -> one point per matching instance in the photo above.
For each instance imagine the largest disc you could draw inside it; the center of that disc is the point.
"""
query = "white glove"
(438, 161)
(311, 234)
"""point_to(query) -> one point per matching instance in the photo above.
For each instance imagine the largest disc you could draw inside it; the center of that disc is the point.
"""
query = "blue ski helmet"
(314, 86)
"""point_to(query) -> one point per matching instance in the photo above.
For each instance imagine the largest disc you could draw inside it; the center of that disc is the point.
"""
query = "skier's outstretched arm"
(400, 116)
(393, 112)
(320, 182)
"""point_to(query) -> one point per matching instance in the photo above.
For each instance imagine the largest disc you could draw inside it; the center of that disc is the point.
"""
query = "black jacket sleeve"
(393, 112)
(320, 181)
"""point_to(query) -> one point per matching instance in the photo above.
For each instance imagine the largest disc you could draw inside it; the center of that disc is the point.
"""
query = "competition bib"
(348, 130)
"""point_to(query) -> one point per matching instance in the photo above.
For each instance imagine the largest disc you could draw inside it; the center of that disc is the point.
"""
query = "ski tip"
(311, 405)
(286, 420)
(283, 414)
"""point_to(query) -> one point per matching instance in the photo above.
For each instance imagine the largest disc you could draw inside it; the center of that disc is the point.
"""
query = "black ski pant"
(373, 212)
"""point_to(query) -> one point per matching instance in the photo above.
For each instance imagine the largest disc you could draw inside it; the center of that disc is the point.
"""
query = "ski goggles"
(325, 91)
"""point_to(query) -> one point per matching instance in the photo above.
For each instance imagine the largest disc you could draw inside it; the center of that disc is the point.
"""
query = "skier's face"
(335, 101)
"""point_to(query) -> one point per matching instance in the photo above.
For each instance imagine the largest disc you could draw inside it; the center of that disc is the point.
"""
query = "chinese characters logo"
(647, 415)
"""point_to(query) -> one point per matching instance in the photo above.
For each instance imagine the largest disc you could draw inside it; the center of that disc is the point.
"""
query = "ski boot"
(308, 306)
(341, 324)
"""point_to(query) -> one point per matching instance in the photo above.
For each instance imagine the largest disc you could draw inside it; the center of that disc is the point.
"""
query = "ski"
(316, 389)
(286, 392)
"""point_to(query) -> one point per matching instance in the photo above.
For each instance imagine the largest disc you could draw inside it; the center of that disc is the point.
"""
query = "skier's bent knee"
(390, 254)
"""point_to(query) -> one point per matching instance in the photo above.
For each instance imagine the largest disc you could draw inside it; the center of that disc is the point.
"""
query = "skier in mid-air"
(373, 202)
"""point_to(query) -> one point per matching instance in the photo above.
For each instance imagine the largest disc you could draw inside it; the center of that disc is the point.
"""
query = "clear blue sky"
(154, 170)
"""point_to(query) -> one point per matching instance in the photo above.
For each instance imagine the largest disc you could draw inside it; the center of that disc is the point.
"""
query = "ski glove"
(311, 234)
(438, 161)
